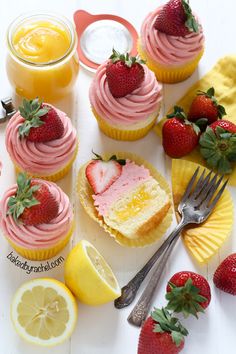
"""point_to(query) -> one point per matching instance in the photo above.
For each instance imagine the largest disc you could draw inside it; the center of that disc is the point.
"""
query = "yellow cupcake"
(129, 117)
(173, 58)
(145, 231)
(124, 134)
(51, 159)
(40, 241)
(169, 74)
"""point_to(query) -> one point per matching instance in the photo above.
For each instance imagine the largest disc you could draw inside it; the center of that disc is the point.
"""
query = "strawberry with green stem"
(124, 73)
(176, 19)
(218, 145)
(179, 135)
(205, 108)
(161, 333)
(188, 293)
(41, 122)
(33, 202)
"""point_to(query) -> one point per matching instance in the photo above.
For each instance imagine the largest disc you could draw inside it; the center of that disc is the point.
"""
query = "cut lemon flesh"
(44, 312)
(89, 277)
(204, 240)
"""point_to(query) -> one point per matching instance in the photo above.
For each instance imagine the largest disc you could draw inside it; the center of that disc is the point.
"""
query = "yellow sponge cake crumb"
(140, 210)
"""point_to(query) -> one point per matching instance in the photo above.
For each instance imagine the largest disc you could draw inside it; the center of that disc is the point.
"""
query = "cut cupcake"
(130, 200)
(41, 140)
(36, 217)
(125, 97)
(203, 241)
(171, 41)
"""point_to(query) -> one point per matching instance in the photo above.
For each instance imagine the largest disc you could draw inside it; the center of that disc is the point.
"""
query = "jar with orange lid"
(42, 56)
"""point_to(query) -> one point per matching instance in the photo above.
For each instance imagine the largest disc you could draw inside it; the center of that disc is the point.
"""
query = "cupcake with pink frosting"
(125, 97)
(41, 140)
(171, 41)
(36, 217)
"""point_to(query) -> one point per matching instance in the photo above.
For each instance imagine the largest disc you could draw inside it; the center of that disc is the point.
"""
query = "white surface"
(104, 330)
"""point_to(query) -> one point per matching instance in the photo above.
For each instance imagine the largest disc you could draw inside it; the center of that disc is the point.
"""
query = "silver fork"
(195, 206)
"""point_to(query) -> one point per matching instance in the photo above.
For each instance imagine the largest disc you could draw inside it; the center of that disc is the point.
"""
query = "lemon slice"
(88, 275)
(44, 312)
(203, 241)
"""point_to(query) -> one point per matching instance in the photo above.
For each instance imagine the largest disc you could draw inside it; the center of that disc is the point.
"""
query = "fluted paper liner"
(85, 196)
(41, 254)
(169, 74)
(122, 134)
(203, 241)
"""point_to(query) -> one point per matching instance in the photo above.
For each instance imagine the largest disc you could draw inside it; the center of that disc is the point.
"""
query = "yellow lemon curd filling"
(138, 202)
(43, 59)
(41, 42)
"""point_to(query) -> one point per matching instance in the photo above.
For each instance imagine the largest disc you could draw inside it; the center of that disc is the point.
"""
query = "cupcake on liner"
(203, 241)
(174, 57)
(37, 241)
(50, 159)
(125, 116)
(91, 204)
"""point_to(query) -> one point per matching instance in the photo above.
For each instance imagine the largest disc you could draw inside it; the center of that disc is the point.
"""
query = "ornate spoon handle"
(141, 309)
(129, 291)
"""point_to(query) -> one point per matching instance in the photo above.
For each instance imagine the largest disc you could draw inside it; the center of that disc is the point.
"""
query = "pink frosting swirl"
(166, 49)
(42, 235)
(133, 108)
(41, 158)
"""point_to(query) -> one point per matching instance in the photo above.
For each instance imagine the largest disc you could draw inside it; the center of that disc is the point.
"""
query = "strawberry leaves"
(124, 74)
(32, 111)
(122, 162)
(24, 197)
(185, 299)
(218, 148)
(125, 58)
(165, 322)
(190, 22)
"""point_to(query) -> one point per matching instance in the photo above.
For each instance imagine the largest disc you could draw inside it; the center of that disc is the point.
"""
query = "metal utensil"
(9, 108)
(195, 206)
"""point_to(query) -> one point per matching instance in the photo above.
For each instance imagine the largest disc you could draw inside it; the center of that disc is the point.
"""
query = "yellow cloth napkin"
(223, 78)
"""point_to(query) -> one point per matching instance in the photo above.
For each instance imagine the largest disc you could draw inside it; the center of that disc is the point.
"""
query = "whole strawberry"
(218, 145)
(161, 333)
(124, 74)
(205, 107)
(42, 122)
(176, 19)
(102, 174)
(33, 203)
(188, 292)
(179, 136)
(225, 275)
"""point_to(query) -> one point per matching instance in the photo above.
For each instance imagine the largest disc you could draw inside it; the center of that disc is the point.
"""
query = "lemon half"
(44, 312)
(89, 277)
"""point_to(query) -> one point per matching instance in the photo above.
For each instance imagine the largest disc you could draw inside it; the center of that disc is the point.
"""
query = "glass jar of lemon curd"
(42, 59)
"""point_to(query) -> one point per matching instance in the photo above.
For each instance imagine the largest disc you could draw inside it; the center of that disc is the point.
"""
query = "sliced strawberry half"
(102, 174)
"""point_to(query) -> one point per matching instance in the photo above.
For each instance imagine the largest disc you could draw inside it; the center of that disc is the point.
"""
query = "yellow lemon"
(88, 275)
(44, 312)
